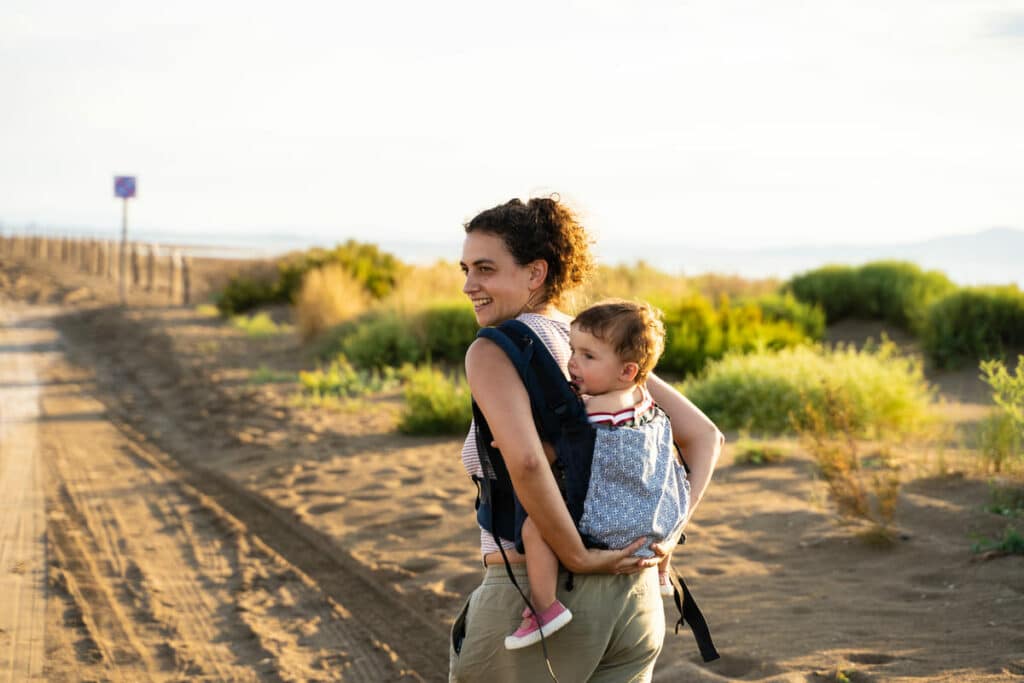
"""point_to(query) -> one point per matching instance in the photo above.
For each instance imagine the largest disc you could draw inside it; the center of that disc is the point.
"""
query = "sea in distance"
(993, 256)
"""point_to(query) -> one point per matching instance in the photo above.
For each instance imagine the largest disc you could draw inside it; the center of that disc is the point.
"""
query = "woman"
(519, 260)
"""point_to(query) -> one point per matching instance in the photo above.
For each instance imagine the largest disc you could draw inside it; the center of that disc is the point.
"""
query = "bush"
(760, 391)
(446, 330)
(244, 293)
(808, 318)
(696, 332)
(436, 404)
(376, 271)
(894, 291)
(329, 296)
(1002, 433)
(974, 323)
(382, 339)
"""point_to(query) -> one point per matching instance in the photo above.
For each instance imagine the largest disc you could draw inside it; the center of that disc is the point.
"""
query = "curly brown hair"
(543, 228)
(634, 329)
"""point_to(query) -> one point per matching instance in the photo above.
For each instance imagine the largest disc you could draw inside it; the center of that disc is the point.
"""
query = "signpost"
(124, 187)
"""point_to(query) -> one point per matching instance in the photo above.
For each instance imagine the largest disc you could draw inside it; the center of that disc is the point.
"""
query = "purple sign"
(124, 186)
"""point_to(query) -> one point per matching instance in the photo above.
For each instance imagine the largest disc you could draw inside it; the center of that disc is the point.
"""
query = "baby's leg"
(541, 566)
(664, 567)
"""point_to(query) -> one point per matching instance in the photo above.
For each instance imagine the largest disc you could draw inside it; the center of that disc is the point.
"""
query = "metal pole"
(124, 248)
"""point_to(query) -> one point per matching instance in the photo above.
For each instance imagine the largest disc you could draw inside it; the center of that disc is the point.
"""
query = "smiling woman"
(519, 259)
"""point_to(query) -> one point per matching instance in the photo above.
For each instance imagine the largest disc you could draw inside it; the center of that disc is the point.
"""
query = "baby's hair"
(634, 329)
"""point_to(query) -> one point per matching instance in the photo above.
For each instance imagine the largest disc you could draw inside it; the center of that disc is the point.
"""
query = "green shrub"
(373, 269)
(974, 323)
(436, 403)
(244, 293)
(380, 340)
(894, 291)
(808, 318)
(760, 391)
(697, 332)
(446, 330)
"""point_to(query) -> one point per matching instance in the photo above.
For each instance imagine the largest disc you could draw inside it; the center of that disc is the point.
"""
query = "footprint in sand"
(420, 564)
(324, 508)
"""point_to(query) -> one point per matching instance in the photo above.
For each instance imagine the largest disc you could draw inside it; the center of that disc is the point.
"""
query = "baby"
(638, 486)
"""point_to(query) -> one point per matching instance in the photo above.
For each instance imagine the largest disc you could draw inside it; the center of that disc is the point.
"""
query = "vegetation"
(376, 272)
(698, 332)
(1002, 432)
(341, 380)
(827, 430)
(436, 403)
(974, 323)
(897, 292)
(259, 325)
(885, 392)
(329, 296)
(750, 452)
(1011, 543)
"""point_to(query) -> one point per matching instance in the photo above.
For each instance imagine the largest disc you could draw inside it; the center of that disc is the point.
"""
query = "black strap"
(691, 614)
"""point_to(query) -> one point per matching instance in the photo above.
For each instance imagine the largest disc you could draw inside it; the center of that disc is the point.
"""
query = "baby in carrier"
(638, 485)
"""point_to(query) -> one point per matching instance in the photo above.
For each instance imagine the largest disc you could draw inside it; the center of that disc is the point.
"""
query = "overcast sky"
(718, 123)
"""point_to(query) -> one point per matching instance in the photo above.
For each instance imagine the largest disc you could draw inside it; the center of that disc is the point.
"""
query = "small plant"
(265, 375)
(435, 403)
(341, 380)
(1002, 433)
(207, 310)
(828, 434)
(1011, 543)
(1006, 500)
(259, 325)
(756, 453)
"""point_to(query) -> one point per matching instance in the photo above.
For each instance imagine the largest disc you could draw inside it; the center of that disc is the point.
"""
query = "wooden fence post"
(150, 267)
(186, 280)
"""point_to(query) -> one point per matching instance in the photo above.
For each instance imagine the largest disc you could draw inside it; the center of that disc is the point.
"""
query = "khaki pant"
(615, 636)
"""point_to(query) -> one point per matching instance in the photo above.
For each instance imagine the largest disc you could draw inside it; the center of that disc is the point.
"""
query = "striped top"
(635, 415)
(555, 335)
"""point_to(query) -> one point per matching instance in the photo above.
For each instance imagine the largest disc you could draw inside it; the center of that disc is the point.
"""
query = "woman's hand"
(615, 561)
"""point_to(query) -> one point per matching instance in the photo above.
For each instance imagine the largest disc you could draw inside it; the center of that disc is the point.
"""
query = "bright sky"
(713, 123)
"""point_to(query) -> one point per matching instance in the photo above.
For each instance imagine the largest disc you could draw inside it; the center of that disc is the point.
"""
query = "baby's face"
(594, 367)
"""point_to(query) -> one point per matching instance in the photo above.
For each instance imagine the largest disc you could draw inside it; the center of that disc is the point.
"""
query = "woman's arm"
(501, 396)
(697, 437)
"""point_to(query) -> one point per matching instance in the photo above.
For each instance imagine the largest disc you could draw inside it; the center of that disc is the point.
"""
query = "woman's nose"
(468, 286)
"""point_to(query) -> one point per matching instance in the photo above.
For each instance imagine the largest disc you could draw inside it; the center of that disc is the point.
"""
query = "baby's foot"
(665, 585)
(553, 618)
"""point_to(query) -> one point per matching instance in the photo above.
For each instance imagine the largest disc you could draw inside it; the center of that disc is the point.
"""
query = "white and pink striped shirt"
(555, 335)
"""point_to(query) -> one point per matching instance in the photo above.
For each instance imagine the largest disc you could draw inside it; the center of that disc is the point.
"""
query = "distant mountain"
(994, 256)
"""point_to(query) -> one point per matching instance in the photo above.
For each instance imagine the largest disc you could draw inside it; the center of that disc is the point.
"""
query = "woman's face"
(499, 287)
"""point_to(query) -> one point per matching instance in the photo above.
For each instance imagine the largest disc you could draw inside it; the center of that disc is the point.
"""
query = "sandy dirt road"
(116, 566)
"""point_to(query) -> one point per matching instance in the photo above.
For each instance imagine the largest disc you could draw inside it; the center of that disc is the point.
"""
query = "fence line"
(153, 268)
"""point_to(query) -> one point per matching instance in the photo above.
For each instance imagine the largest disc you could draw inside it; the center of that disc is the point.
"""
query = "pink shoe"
(665, 585)
(552, 619)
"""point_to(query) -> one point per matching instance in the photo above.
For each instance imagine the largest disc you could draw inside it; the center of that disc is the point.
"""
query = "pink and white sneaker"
(665, 585)
(553, 618)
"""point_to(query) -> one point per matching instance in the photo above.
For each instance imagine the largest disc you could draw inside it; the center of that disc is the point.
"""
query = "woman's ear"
(629, 372)
(538, 273)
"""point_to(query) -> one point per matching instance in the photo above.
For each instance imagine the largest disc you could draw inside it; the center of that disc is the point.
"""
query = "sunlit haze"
(715, 124)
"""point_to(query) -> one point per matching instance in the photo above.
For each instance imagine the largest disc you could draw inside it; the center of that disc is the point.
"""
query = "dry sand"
(201, 527)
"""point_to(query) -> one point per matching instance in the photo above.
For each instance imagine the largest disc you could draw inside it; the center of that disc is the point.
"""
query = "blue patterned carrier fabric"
(637, 485)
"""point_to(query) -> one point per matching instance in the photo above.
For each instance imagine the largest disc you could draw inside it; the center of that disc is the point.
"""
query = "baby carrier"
(561, 420)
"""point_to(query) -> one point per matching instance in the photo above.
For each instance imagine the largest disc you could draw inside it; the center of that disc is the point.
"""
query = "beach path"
(22, 521)
(113, 566)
